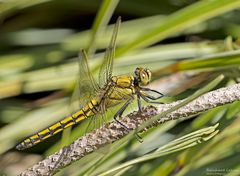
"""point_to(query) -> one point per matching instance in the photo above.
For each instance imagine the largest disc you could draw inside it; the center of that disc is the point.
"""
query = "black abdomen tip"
(24, 145)
(20, 147)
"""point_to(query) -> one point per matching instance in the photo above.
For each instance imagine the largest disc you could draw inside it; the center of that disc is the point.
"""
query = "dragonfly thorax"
(124, 81)
(142, 76)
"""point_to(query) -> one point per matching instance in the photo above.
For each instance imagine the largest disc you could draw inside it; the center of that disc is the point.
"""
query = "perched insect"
(96, 98)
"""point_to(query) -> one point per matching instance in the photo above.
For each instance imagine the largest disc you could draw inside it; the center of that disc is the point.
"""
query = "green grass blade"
(222, 59)
(183, 19)
(214, 61)
(103, 16)
(8, 7)
(179, 144)
(129, 30)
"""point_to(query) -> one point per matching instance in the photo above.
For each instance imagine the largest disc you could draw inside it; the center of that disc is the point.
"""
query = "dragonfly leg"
(139, 103)
(145, 98)
(151, 90)
(119, 114)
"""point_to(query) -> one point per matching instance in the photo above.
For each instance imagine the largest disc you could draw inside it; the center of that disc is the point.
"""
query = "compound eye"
(137, 71)
(149, 73)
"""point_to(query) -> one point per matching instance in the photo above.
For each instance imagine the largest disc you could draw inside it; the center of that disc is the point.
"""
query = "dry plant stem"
(113, 131)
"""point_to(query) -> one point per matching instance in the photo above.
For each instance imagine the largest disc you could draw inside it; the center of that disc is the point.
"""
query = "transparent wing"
(97, 120)
(86, 86)
(106, 69)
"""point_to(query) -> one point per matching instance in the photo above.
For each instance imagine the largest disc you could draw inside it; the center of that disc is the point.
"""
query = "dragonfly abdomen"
(89, 110)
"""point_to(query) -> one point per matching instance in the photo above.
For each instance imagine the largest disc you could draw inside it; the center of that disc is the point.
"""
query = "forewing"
(107, 66)
(86, 87)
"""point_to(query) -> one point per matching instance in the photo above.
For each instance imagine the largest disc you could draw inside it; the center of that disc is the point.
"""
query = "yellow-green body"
(118, 89)
(115, 90)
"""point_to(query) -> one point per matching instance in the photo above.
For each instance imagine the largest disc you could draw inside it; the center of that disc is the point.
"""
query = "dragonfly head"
(143, 76)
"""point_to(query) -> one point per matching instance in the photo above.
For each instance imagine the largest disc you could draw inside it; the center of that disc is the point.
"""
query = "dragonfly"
(97, 97)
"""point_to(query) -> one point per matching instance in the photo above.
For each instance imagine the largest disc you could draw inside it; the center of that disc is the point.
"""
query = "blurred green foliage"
(184, 42)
